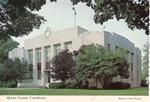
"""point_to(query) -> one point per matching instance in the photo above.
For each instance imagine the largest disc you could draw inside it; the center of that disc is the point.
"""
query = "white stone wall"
(80, 36)
(17, 53)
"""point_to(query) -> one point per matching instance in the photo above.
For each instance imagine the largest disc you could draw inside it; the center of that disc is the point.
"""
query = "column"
(34, 67)
(42, 65)
(52, 55)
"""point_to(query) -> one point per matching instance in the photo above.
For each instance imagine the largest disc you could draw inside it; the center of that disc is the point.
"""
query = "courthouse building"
(40, 50)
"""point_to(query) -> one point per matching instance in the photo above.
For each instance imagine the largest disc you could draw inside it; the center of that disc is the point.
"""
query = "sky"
(60, 16)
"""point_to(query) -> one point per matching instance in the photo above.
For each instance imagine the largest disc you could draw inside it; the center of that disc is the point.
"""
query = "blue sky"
(61, 16)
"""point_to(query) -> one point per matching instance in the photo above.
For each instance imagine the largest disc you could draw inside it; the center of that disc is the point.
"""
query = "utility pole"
(73, 8)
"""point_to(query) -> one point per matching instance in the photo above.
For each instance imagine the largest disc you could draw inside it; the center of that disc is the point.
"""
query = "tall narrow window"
(47, 56)
(116, 48)
(68, 45)
(132, 58)
(30, 62)
(138, 66)
(127, 55)
(57, 49)
(108, 46)
(30, 56)
(38, 58)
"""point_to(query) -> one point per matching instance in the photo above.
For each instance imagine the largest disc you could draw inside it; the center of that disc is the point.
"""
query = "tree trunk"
(96, 83)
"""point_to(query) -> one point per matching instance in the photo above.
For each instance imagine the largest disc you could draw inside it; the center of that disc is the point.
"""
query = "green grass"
(42, 91)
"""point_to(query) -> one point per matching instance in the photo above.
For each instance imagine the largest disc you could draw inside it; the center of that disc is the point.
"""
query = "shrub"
(93, 88)
(56, 85)
(75, 84)
(71, 84)
(11, 84)
(83, 84)
(118, 85)
(143, 83)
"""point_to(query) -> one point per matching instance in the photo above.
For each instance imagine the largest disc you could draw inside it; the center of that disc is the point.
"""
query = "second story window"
(68, 45)
(57, 49)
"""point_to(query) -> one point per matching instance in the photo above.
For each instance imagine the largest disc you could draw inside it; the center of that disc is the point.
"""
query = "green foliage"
(94, 61)
(5, 47)
(11, 84)
(118, 85)
(16, 70)
(12, 70)
(134, 12)
(144, 83)
(145, 61)
(62, 66)
(71, 83)
(17, 18)
(56, 85)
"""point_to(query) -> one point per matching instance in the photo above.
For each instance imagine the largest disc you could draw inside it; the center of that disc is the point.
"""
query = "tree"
(23, 70)
(134, 12)
(94, 61)
(17, 18)
(145, 62)
(62, 66)
(5, 47)
(14, 70)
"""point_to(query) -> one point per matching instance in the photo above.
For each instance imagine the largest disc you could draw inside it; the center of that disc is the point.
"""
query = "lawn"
(42, 91)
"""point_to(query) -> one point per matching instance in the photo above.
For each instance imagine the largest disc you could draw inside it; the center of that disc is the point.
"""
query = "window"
(127, 55)
(47, 53)
(30, 56)
(47, 56)
(57, 49)
(108, 46)
(132, 58)
(38, 54)
(68, 45)
(38, 57)
(132, 55)
(116, 48)
(30, 62)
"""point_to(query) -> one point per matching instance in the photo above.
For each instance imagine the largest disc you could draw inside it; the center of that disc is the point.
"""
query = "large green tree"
(14, 70)
(17, 18)
(94, 61)
(62, 66)
(134, 12)
(145, 61)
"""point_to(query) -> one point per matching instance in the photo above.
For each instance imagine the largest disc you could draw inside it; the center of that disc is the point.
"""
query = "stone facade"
(39, 50)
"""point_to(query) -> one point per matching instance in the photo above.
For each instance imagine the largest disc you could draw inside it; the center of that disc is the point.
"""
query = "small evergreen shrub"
(143, 83)
(118, 85)
(9, 85)
(71, 84)
(56, 85)
(83, 85)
